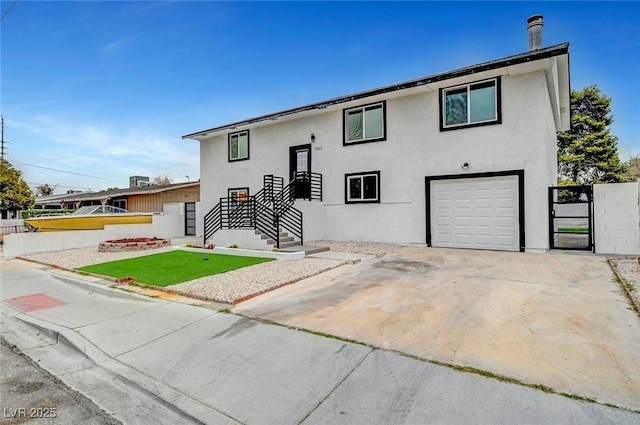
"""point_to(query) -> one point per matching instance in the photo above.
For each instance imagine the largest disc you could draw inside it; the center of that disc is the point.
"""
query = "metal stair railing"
(212, 221)
(268, 210)
(286, 216)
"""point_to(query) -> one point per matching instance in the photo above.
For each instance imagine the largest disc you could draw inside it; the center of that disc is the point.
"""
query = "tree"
(632, 169)
(162, 180)
(587, 153)
(44, 190)
(15, 193)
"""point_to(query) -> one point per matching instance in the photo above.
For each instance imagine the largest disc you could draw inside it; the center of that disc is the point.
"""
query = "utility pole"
(2, 138)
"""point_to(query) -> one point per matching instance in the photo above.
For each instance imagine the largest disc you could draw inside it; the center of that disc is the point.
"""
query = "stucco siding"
(415, 147)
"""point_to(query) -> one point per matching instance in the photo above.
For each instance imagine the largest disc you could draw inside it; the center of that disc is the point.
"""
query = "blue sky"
(105, 90)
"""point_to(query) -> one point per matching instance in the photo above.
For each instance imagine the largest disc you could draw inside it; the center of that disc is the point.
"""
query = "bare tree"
(44, 190)
(161, 180)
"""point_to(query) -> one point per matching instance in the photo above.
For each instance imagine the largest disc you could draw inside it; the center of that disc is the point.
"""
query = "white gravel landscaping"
(238, 285)
(629, 270)
(370, 248)
(80, 257)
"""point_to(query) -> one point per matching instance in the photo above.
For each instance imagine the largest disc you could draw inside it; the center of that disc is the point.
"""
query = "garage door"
(479, 213)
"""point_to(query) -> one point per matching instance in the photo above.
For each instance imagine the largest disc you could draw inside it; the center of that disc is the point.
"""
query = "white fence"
(617, 218)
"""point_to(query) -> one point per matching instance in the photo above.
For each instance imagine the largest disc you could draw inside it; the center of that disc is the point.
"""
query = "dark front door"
(571, 217)
(190, 218)
(300, 170)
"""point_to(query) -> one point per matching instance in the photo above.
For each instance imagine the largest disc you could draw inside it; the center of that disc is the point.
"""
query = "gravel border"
(378, 249)
(628, 272)
(242, 284)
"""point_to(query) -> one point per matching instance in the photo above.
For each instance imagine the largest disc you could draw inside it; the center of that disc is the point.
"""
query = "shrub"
(34, 213)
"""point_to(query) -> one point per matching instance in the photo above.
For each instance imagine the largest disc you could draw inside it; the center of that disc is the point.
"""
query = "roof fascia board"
(98, 196)
(509, 61)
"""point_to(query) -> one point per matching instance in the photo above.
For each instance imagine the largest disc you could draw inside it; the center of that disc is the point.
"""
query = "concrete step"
(289, 244)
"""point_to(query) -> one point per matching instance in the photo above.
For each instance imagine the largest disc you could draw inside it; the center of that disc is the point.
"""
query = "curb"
(189, 408)
(90, 286)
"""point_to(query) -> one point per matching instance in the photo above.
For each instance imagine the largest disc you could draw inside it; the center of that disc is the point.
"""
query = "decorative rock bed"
(132, 244)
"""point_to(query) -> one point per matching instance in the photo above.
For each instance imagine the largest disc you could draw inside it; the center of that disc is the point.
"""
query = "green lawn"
(573, 229)
(169, 268)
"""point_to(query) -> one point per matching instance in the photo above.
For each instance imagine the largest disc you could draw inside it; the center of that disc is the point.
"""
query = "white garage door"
(480, 213)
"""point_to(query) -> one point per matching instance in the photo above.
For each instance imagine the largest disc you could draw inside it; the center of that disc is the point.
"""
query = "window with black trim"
(238, 195)
(239, 146)
(362, 187)
(470, 105)
(365, 123)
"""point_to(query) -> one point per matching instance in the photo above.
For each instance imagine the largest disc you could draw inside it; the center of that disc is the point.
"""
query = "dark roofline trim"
(560, 49)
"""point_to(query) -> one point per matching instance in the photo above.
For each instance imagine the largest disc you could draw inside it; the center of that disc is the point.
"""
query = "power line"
(66, 172)
(8, 10)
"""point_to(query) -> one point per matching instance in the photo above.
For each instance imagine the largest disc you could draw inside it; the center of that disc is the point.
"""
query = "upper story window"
(362, 187)
(365, 124)
(470, 105)
(239, 146)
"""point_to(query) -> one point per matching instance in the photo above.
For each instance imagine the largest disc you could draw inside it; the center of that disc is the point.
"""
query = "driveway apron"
(559, 320)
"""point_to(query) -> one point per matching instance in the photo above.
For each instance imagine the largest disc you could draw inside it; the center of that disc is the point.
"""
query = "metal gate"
(190, 218)
(571, 217)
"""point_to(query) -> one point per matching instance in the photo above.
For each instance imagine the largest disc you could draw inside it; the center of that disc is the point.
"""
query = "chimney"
(534, 27)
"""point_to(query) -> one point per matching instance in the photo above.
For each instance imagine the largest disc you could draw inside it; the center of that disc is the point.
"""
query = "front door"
(300, 170)
(190, 218)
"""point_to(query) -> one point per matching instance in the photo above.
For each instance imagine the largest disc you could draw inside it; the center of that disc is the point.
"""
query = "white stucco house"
(458, 159)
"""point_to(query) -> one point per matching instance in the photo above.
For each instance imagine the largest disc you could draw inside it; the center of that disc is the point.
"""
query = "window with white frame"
(362, 187)
(239, 146)
(471, 105)
(365, 123)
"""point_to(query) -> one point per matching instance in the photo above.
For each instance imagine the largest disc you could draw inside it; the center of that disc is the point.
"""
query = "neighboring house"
(459, 159)
(138, 199)
(176, 198)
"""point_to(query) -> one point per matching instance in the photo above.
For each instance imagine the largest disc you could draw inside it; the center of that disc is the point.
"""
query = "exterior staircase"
(270, 212)
(286, 241)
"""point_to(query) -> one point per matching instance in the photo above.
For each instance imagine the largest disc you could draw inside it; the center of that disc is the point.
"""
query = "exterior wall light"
(313, 138)
(465, 166)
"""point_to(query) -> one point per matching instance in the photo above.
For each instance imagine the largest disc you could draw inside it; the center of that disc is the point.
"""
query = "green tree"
(632, 169)
(15, 193)
(587, 153)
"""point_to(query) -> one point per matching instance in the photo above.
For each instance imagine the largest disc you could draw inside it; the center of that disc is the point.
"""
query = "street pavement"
(153, 361)
(29, 393)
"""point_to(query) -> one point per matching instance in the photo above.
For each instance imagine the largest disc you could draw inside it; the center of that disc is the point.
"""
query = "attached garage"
(477, 211)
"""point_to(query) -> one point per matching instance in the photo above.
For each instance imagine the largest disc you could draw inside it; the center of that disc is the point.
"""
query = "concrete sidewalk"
(149, 360)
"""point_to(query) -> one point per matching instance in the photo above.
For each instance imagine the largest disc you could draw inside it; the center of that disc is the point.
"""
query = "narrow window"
(239, 146)
(364, 124)
(471, 105)
(362, 187)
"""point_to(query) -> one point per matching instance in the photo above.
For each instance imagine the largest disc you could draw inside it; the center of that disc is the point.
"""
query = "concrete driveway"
(558, 320)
